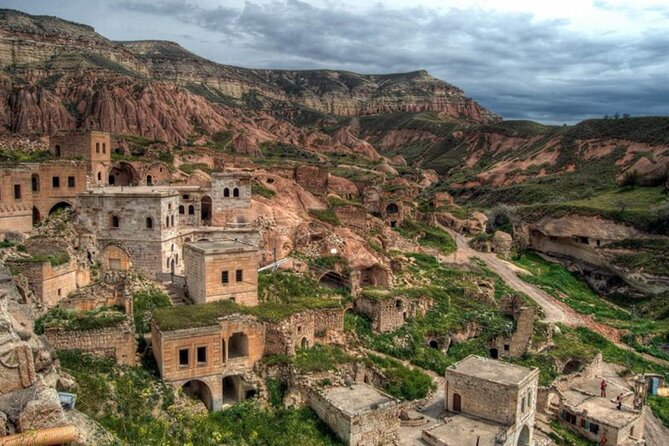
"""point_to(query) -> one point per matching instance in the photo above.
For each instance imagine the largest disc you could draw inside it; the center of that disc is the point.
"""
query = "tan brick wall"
(50, 284)
(15, 214)
(114, 342)
(244, 292)
(49, 195)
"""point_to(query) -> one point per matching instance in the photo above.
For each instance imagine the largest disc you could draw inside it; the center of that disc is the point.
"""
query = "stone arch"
(332, 279)
(199, 390)
(494, 353)
(392, 208)
(235, 192)
(149, 180)
(116, 258)
(187, 240)
(304, 343)
(59, 206)
(524, 437)
(375, 275)
(123, 174)
(552, 402)
(37, 216)
(572, 366)
(205, 209)
(433, 343)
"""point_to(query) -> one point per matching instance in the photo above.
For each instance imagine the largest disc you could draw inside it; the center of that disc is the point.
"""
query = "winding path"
(554, 309)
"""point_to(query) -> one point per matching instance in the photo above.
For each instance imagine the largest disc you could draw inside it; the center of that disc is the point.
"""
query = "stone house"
(360, 414)
(55, 185)
(50, 284)
(212, 362)
(490, 400)
(16, 208)
(387, 312)
(516, 344)
(222, 270)
(134, 227)
(303, 330)
(93, 147)
(230, 199)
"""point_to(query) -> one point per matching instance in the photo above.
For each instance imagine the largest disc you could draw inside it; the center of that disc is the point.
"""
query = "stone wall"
(351, 215)
(50, 284)
(312, 178)
(589, 372)
(391, 313)
(230, 195)
(56, 182)
(303, 330)
(517, 344)
(113, 342)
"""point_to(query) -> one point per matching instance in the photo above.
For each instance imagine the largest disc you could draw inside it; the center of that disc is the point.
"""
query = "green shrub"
(320, 358)
(401, 381)
(143, 304)
(325, 215)
(660, 407)
(72, 320)
(258, 188)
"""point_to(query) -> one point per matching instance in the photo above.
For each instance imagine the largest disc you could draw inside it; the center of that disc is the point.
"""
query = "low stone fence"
(112, 342)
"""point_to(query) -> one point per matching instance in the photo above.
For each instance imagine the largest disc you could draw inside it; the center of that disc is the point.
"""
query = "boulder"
(43, 411)
(501, 243)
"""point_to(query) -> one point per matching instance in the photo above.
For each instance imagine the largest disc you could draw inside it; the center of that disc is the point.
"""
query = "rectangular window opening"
(201, 355)
(183, 357)
(224, 277)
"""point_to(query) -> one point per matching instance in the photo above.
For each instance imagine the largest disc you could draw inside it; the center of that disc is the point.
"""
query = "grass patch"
(72, 320)
(191, 168)
(651, 256)
(427, 236)
(401, 381)
(143, 304)
(321, 358)
(258, 188)
(564, 437)
(325, 215)
(660, 407)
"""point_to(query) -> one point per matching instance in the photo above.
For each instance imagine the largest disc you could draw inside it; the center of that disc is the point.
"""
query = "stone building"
(303, 330)
(387, 312)
(211, 362)
(117, 342)
(517, 343)
(312, 178)
(134, 227)
(16, 210)
(93, 147)
(55, 185)
(50, 284)
(230, 199)
(360, 415)
(583, 411)
(222, 270)
(491, 402)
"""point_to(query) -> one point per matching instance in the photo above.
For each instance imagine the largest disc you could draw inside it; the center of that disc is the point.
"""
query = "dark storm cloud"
(512, 63)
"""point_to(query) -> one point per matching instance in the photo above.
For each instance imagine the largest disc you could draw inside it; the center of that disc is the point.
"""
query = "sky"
(549, 61)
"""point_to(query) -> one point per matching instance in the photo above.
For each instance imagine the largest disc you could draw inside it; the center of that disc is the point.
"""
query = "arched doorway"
(494, 353)
(149, 180)
(457, 403)
(205, 210)
(434, 344)
(61, 205)
(392, 208)
(173, 266)
(123, 174)
(304, 343)
(37, 217)
(229, 390)
(524, 437)
(572, 366)
(199, 390)
(333, 279)
(115, 258)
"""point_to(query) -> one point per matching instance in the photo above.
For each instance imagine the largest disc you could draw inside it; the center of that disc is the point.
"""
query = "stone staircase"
(175, 292)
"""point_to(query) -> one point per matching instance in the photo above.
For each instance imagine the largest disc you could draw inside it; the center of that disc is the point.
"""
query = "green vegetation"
(20, 156)
(321, 358)
(56, 259)
(401, 381)
(660, 407)
(285, 287)
(325, 215)
(143, 304)
(427, 236)
(651, 255)
(564, 437)
(258, 188)
(137, 407)
(191, 168)
(277, 151)
(556, 280)
(72, 320)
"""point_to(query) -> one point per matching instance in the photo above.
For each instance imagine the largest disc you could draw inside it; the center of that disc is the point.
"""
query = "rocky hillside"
(58, 74)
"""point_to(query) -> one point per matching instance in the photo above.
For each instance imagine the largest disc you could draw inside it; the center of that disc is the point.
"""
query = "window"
(529, 399)
(522, 405)
(149, 180)
(70, 182)
(239, 275)
(202, 355)
(149, 223)
(182, 210)
(235, 192)
(507, 347)
(167, 221)
(99, 176)
(191, 210)
(55, 181)
(57, 151)
(59, 292)
(115, 222)
(594, 428)
(35, 183)
(17, 191)
(104, 147)
(172, 220)
(226, 192)
(169, 206)
(97, 147)
(183, 357)
(224, 277)
(186, 196)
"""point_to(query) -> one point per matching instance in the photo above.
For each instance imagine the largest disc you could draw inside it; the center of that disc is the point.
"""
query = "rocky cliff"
(58, 74)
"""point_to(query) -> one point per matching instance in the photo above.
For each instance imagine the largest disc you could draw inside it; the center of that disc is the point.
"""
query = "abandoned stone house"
(132, 227)
(16, 210)
(391, 210)
(517, 343)
(230, 199)
(139, 173)
(303, 330)
(490, 401)
(50, 284)
(93, 147)
(210, 362)
(222, 270)
(360, 414)
(387, 312)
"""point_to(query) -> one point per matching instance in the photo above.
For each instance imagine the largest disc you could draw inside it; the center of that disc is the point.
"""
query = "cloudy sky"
(545, 60)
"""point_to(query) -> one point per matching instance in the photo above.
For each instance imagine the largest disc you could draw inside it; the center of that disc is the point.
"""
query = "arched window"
(115, 222)
(191, 210)
(181, 210)
(235, 192)
(226, 192)
(99, 176)
(57, 151)
(167, 221)
(35, 183)
(149, 223)
(172, 220)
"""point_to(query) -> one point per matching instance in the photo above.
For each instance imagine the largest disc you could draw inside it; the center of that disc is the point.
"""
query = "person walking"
(602, 388)
(619, 402)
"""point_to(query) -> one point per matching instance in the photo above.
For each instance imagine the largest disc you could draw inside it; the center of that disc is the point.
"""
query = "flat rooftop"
(586, 397)
(358, 398)
(492, 370)
(223, 247)
(160, 191)
(461, 429)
